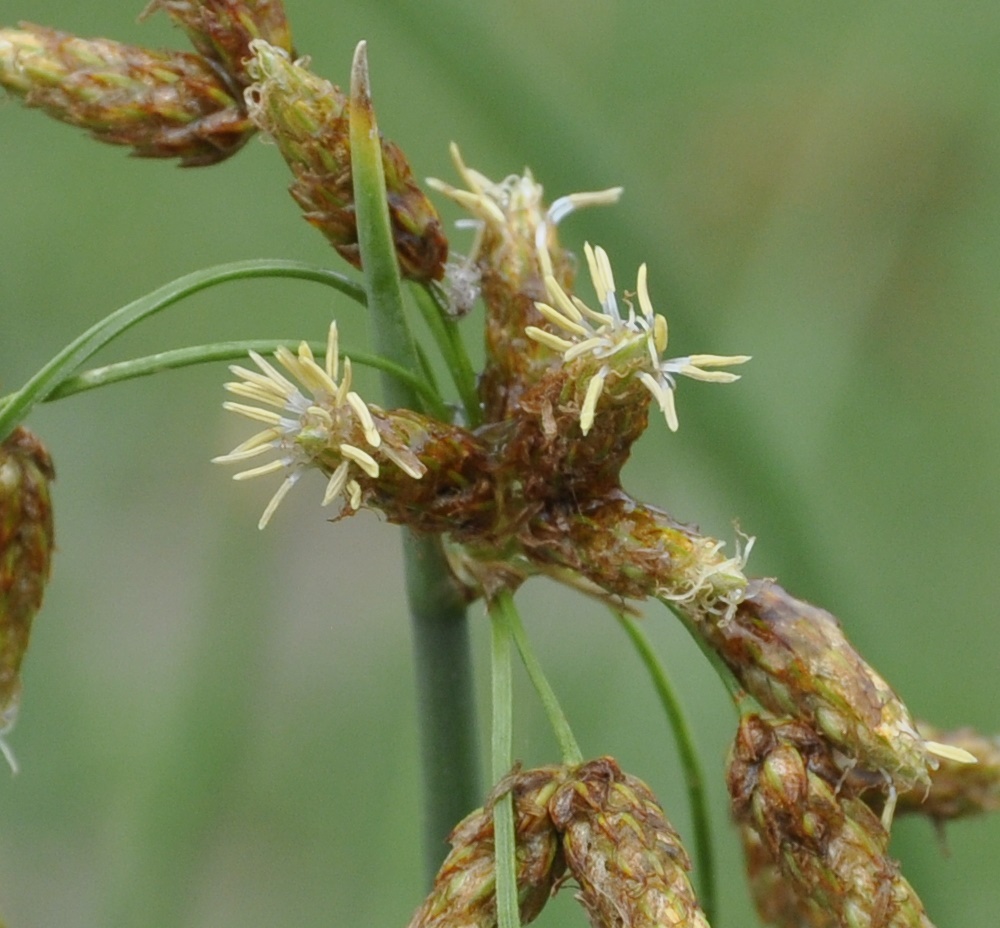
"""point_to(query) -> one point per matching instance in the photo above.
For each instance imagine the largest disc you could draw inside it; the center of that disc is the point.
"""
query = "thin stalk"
(449, 342)
(694, 776)
(730, 682)
(442, 652)
(224, 351)
(77, 352)
(503, 614)
(568, 747)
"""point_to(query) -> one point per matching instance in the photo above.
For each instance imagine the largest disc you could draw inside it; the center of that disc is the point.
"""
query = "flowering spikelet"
(958, 789)
(333, 429)
(308, 118)
(464, 893)
(222, 30)
(25, 559)
(162, 104)
(622, 851)
(794, 659)
(827, 844)
(632, 550)
(609, 350)
(516, 247)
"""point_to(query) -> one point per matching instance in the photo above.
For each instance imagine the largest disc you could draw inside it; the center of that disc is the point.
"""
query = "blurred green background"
(218, 725)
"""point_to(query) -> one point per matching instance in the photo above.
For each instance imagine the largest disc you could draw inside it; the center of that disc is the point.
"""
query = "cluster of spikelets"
(829, 752)
(816, 852)
(592, 823)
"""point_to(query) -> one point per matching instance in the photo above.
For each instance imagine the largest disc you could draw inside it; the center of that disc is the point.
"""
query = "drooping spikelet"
(794, 659)
(308, 118)
(827, 845)
(464, 892)
(161, 104)
(624, 854)
(26, 538)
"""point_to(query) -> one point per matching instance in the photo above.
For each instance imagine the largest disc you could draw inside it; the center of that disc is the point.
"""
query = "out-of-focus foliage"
(217, 727)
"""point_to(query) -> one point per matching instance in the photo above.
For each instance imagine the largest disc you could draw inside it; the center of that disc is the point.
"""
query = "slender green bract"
(442, 652)
(450, 345)
(568, 747)
(503, 616)
(77, 352)
(694, 777)
(223, 351)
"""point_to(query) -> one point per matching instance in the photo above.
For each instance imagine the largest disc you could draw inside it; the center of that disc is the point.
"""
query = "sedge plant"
(505, 473)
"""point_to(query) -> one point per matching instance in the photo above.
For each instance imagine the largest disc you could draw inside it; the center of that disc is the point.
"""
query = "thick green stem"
(443, 667)
(441, 638)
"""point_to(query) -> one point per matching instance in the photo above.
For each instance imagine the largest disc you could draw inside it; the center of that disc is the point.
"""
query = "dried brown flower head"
(26, 539)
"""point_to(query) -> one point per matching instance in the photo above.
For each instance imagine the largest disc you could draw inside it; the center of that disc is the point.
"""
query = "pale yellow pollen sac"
(337, 482)
(589, 408)
(362, 458)
(951, 752)
(365, 417)
(598, 258)
(547, 338)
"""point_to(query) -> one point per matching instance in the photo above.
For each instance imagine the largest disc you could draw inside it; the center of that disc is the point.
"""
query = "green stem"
(445, 695)
(729, 681)
(449, 342)
(438, 616)
(568, 747)
(38, 388)
(223, 351)
(694, 777)
(503, 616)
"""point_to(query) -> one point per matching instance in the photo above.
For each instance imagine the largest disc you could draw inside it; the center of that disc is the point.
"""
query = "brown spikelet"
(622, 851)
(222, 30)
(464, 892)
(827, 845)
(794, 659)
(26, 538)
(161, 104)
